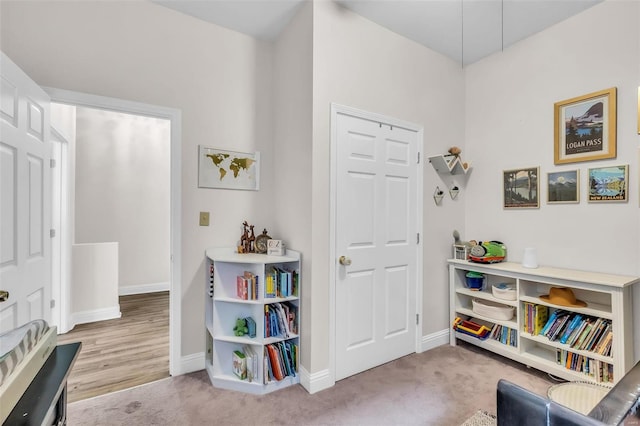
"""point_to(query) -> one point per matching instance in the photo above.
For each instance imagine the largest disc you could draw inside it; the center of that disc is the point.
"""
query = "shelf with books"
(591, 328)
(238, 296)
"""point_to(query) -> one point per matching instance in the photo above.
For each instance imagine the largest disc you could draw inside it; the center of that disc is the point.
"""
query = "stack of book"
(247, 286)
(281, 283)
(600, 371)
(505, 335)
(280, 361)
(535, 318)
(280, 320)
(581, 332)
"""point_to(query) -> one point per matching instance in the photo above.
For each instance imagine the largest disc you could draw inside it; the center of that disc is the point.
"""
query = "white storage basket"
(504, 291)
(492, 310)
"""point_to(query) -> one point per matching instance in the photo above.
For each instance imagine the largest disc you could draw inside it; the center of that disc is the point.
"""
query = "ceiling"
(464, 30)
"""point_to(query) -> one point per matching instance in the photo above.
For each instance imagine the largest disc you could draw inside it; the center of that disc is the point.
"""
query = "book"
(550, 321)
(251, 326)
(577, 319)
(540, 316)
(241, 287)
(239, 365)
(274, 361)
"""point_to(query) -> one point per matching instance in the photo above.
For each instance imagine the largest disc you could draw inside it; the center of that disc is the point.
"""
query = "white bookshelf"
(223, 307)
(608, 296)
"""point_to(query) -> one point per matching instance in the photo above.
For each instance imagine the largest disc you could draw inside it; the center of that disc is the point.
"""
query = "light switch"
(204, 218)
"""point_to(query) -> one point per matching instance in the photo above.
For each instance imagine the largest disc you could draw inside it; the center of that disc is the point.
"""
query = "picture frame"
(585, 127)
(563, 187)
(521, 188)
(219, 168)
(609, 184)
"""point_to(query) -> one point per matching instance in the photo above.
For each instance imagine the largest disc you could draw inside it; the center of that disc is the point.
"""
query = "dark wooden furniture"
(45, 400)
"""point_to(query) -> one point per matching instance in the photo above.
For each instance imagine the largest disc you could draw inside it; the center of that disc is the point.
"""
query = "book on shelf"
(575, 322)
(239, 364)
(252, 362)
(280, 320)
(283, 360)
(599, 371)
(535, 318)
(281, 282)
(247, 286)
(550, 321)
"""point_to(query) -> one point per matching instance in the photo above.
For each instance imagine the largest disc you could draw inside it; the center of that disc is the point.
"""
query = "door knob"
(344, 260)
(4, 295)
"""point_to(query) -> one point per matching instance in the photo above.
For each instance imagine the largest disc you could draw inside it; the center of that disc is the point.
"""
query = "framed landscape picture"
(609, 183)
(563, 187)
(585, 127)
(521, 188)
(218, 168)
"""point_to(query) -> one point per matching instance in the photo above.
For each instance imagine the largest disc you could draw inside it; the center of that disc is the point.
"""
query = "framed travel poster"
(521, 188)
(609, 183)
(563, 187)
(585, 127)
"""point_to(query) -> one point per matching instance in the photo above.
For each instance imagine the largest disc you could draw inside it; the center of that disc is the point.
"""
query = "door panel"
(375, 228)
(25, 213)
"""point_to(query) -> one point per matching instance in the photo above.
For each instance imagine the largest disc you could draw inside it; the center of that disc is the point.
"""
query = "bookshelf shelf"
(608, 313)
(271, 285)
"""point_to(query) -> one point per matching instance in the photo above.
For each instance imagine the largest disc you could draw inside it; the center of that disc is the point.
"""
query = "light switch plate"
(204, 218)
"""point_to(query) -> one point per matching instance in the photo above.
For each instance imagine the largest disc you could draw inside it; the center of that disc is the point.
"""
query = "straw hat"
(563, 297)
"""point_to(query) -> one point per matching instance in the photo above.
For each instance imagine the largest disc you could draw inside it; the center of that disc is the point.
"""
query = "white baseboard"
(434, 340)
(191, 363)
(317, 381)
(320, 380)
(144, 288)
(95, 315)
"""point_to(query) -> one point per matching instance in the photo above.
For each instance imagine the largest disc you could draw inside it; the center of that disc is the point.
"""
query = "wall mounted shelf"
(445, 163)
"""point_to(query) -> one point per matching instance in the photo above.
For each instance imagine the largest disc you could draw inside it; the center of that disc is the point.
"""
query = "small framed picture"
(563, 187)
(585, 127)
(521, 188)
(609, 184)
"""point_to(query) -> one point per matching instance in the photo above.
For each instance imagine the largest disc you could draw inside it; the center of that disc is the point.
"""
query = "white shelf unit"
(449, 164)
(608, 296)
(223, 307)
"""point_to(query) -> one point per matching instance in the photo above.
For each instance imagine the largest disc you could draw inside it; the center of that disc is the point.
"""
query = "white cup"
(530, 258)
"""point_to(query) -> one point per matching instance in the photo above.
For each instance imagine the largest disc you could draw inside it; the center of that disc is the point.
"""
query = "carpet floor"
(444, 386)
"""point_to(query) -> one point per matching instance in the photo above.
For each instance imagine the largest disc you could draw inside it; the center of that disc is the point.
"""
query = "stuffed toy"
(241, 327)
(454, 150)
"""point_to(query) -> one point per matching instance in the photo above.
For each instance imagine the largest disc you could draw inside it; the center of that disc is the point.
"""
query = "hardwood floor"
(121, 353)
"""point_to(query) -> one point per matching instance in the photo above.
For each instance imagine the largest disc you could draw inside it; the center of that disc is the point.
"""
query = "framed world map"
(218, 168)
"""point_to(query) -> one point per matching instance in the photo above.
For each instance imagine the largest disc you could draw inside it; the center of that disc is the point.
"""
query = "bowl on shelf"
(475, 281)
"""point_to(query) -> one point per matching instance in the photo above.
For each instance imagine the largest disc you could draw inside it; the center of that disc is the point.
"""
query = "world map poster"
(219, 168)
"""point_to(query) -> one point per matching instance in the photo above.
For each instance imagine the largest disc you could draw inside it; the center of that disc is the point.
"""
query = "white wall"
(360, 64)
(292, 152)
(122, 191)
(595, 50)
(140, 51)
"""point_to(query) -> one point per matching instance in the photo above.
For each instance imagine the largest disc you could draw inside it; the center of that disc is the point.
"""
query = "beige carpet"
(443, 386)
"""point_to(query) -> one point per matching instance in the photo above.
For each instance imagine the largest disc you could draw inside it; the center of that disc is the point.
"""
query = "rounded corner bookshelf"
(252, 320)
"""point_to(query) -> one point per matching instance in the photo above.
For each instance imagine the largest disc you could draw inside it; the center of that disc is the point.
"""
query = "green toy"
(241, 327)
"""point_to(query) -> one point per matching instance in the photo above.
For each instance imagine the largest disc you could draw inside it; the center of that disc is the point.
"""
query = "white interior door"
(25, 197)
(376, 232)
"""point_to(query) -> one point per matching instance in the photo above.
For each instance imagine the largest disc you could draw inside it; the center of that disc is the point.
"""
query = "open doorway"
(124, 191)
